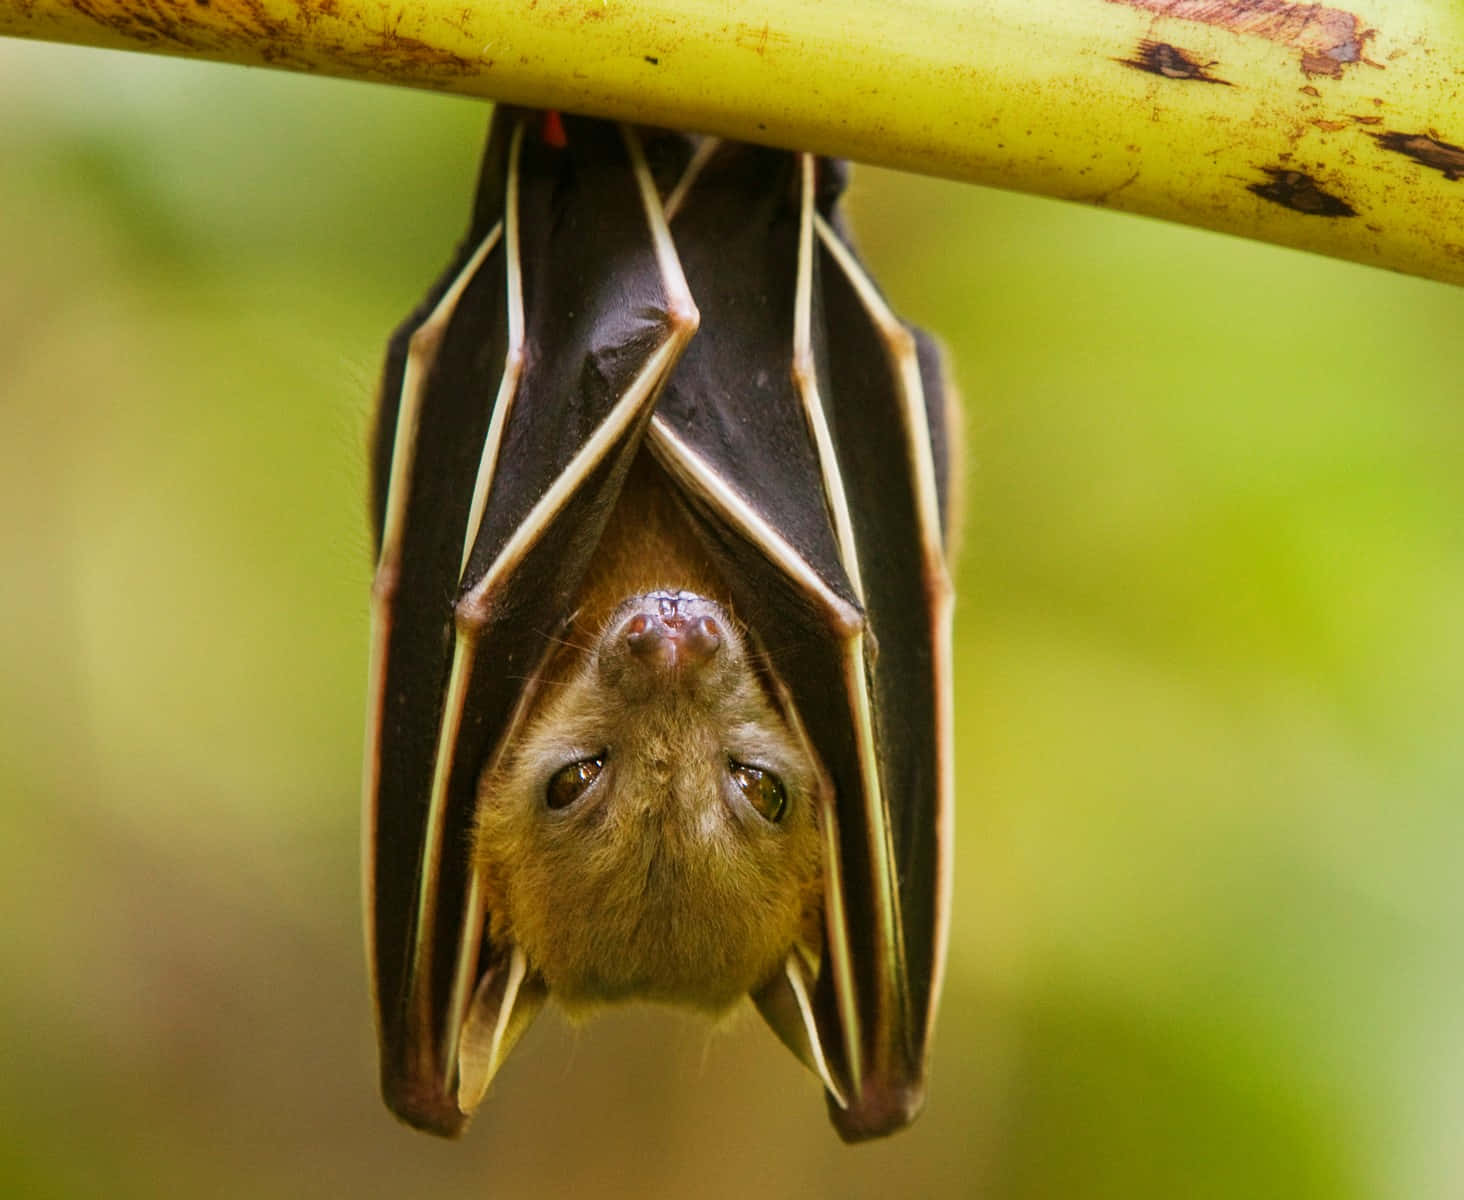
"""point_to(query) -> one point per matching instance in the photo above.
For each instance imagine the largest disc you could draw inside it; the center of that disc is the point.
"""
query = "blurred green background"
(1208, 936)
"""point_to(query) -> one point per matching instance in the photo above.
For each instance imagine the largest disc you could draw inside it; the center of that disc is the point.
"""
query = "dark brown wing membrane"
(733, 399)
(888, 424)
(513, 417)
(429, 438)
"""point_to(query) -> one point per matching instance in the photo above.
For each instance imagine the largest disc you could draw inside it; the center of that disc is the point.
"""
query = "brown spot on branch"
(1428, 151)
(249, 30)
(1301, 193)
(1170, 62)
(1326, 38)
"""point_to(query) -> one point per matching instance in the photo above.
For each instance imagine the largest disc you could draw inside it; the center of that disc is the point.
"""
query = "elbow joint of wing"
(848, 622)
(422, 345)
(470, 613)
(804, 373)
(683, 316)
(513, 361)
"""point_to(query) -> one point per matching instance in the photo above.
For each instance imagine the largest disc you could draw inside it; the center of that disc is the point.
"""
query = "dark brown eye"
(568, 784)
(763, 789)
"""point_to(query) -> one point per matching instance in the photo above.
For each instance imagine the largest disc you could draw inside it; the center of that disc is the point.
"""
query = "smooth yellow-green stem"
(1334, 130)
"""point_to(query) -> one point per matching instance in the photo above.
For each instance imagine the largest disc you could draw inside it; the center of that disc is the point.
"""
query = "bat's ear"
(508, 999)
(786, 1004)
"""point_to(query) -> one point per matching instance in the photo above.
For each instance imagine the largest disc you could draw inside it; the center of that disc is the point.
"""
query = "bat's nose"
(673, 631)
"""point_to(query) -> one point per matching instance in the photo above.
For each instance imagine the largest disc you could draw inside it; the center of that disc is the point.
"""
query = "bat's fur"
(661, 882)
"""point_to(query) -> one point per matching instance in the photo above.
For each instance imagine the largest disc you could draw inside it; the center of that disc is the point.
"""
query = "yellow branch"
(1329, 129)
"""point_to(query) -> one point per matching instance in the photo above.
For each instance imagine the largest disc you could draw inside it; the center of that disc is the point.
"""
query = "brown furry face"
(654, 834)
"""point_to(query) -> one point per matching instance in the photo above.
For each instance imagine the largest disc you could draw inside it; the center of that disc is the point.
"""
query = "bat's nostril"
(701, 639)
(645, 637)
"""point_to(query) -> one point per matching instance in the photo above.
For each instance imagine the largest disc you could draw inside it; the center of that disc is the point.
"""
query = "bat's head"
(653, 833)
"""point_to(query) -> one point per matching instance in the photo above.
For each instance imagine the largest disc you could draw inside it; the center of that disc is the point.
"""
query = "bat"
(659, 687)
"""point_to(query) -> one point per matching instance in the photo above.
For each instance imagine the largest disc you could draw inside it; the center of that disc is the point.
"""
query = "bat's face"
(653, 833)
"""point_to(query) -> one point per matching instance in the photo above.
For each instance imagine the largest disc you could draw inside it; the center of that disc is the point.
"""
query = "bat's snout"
(669, 633)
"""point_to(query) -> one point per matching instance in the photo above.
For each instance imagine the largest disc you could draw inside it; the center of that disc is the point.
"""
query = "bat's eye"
(763, 789)
(568, 784)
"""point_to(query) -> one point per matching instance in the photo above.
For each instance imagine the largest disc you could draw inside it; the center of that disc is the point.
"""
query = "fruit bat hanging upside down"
(660, 667)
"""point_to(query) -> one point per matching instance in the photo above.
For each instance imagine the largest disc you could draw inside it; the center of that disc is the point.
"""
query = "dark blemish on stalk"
(1428, 151)
(655, 62)
(1299, 192)
(274, 36)
(1327, 39)
(1170, 62)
